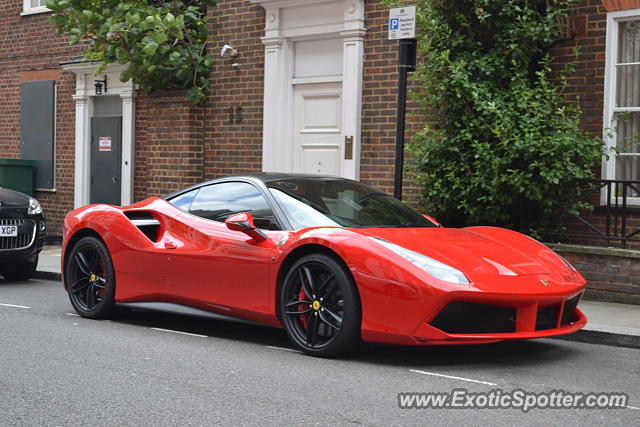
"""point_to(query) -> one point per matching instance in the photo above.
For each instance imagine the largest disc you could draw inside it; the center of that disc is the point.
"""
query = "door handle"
(115, 181)
(348, 147)
(170, 244)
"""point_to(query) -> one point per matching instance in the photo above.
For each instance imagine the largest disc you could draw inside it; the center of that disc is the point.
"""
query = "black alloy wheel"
(90, 278)
(320, 306)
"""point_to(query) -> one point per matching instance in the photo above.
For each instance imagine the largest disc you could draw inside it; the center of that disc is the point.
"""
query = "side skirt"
(168, 307)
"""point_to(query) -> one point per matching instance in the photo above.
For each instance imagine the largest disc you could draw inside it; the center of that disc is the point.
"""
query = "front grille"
(26, 230)
(547, 317)
(470, 318)
(569, 310)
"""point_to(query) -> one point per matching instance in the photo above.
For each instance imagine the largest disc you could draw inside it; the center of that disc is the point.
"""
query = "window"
(34, 6)
(622, 99)
(183, 201)
(37, 129)
(219, 201)
(321, 202)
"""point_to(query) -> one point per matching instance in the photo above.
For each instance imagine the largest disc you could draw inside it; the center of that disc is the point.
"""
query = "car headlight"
(435, 268)
(34, 207)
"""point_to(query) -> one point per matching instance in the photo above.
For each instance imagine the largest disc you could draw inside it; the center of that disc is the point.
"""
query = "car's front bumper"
(471, 316)
(27, 244)
(452, 339)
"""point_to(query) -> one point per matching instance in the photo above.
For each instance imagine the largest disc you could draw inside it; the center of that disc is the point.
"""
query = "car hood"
(470, 252)
(10, 198)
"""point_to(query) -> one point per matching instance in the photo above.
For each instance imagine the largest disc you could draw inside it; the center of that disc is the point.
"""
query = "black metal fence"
(615, 218)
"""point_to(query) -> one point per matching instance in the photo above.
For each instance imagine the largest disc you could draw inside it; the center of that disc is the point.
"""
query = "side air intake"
(145, 223)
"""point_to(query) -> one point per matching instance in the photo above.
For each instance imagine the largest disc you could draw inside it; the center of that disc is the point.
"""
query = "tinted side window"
(183, 201)
(219, 201)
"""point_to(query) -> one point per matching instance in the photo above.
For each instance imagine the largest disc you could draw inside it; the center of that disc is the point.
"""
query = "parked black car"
(22, 231)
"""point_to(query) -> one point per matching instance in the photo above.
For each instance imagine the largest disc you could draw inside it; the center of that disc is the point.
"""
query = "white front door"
(317, 137)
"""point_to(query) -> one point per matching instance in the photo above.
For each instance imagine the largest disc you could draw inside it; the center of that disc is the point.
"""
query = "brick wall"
(587, 26)
(612, 274)
(169, 152)
(30, 51)
(379, 105)
(208, 142)
(232, 144)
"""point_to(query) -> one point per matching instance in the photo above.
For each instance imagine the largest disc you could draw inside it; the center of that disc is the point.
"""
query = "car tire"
(19, 271)
(320, 306)
(90, 278)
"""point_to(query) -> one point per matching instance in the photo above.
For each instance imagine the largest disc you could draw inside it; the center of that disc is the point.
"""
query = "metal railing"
(616, 205)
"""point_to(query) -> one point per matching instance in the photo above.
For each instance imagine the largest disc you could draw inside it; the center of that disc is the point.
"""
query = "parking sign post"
(402, 26)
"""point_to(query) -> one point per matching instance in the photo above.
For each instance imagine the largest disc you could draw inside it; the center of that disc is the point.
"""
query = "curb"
(603, 338)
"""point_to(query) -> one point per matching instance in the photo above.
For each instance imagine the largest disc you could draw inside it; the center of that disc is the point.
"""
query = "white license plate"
(8, 230)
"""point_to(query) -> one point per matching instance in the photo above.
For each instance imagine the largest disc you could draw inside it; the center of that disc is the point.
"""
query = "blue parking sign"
(402, 23)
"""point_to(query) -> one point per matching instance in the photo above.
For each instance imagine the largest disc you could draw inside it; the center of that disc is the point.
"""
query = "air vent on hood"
(145, 223)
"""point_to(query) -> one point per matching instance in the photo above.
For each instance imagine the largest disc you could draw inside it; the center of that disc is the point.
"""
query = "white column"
(275, 81)
(81, 167)
(128, 145)
(352, 69)
(273, 56)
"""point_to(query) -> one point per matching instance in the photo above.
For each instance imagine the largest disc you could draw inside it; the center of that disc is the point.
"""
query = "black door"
(106, 156)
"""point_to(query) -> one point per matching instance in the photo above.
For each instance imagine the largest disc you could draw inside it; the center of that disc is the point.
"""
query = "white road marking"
(179, 332)
(282, 348)
(14, 305)
(72, 314)
(451, 377)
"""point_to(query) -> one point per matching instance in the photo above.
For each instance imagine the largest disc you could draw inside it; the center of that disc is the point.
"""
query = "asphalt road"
(60, 369)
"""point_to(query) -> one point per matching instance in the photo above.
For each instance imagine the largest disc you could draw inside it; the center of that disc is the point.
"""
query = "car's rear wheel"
(320, 306)
(19, 271)
(90, 278)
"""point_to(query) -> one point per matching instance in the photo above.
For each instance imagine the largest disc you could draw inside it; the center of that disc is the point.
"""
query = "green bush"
(161, 42)
(499, 145)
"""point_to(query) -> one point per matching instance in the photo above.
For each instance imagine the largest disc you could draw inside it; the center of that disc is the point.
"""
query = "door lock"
(348, 147)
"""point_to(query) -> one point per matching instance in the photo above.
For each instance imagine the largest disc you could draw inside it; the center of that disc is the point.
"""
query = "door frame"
(288, 21)
(84, 96)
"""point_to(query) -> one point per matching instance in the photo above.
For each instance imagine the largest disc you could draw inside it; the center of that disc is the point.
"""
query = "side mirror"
(244, 222)
(432, 220)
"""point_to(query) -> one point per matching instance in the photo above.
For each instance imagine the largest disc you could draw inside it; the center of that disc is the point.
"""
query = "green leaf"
(148, 36)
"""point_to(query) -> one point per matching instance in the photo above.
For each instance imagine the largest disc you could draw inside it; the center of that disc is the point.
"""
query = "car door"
(222, 269)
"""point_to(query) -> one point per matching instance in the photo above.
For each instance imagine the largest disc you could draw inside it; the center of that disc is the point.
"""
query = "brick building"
(324, 69)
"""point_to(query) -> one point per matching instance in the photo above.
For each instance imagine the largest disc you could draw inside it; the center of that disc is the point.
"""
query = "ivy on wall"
(162, 43)
(499, 146)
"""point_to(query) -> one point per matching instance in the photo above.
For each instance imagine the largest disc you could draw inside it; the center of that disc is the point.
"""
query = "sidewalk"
(608, 323)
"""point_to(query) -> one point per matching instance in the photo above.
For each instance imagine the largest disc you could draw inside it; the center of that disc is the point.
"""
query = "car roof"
(277, 176)
(263, 177)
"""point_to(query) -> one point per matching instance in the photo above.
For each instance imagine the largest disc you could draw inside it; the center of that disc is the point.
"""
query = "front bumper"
(27, 244)
(483, 321)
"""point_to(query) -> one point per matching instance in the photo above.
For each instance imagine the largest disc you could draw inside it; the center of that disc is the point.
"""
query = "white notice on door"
(104, 143)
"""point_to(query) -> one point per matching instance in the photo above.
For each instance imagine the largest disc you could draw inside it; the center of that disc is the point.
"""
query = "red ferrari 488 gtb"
(331, 260)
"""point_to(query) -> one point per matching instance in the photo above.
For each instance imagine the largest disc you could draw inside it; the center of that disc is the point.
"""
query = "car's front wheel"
(19, 271)
(320, 306)
(90, 278)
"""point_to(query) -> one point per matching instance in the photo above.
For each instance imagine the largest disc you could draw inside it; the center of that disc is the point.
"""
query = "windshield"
(319, 202)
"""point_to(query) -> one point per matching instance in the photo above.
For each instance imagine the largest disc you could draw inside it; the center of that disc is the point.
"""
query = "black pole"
(407, 64)
(400, 125)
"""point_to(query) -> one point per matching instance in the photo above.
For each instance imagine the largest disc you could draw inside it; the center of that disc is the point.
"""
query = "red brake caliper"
(302, 297)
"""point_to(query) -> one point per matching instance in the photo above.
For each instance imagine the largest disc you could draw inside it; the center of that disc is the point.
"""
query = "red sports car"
(331, 260)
